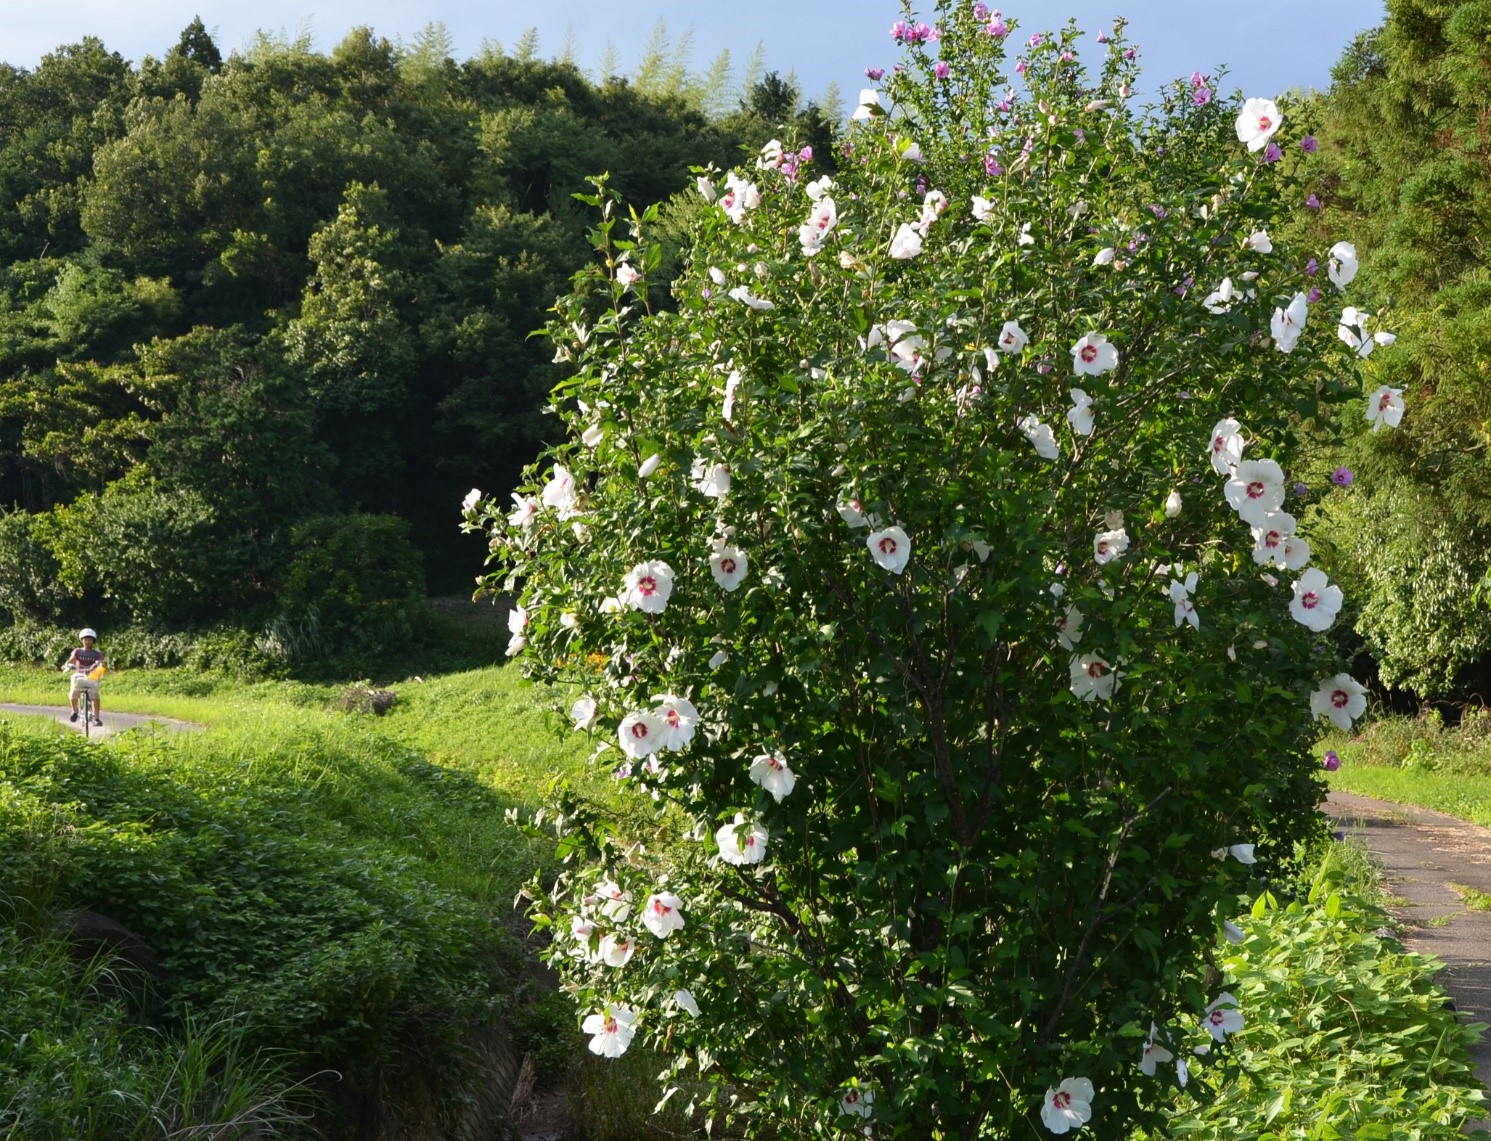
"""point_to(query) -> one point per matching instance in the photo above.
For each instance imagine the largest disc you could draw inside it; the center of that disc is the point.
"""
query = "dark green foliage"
(76, 1065)
(1409, 181)
(310, 896)
(137, 548)
(52, 120)
(287, 284)
(225, 647)
(29, 585)
(357, 581)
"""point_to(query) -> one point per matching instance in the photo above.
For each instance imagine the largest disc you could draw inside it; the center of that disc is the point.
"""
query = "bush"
(945, 714)
(1348, 1035)
(353, 584)
(29, 582)
(224, 647)
(1424, 608)
(138, 547)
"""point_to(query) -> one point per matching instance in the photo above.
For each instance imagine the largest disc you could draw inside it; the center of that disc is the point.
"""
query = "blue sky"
(1268, 45)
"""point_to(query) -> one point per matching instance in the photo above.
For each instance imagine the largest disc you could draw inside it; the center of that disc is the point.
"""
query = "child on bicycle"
(82, 661)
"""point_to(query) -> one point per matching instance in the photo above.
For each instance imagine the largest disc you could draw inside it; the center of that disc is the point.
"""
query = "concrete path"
(112, 722)
(1423, 854)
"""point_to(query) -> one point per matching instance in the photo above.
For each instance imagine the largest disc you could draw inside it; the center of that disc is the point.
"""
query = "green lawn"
(486, 722)
(1420, 761)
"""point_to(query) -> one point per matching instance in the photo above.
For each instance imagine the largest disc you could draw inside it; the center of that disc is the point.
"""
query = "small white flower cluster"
(1255, 489)
(601, 937)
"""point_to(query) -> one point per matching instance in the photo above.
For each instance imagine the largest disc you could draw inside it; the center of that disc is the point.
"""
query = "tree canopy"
(285, 284)
(1408, 173)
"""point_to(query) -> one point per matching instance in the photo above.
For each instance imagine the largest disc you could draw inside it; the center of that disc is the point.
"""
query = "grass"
(486, 722)
(428, 784)
(1475, 900)
(1421, 761)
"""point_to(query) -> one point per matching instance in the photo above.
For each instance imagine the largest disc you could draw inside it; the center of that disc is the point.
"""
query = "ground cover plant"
(75, 1063)
(1353, 1038)
(919, 576)
(321, 896)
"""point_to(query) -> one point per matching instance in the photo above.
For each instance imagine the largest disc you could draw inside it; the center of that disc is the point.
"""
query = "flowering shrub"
(929, 552)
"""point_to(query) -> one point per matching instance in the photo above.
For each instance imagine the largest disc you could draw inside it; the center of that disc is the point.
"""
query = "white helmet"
(88, 632)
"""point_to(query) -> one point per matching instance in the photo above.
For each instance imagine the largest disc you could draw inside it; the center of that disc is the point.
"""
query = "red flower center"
(1309, 600)
(1255, 489)
(1339, 699)
(611, 1026)
(1272, 539)
(1089, 353)
(887, 546)
(1103, 546)
(1061, 1100)
(727, 565)
(647, 586)
(1095, 669)
(672, 718)
(639, 731)
(1264, 122)
(659, 908)
(1384, 403)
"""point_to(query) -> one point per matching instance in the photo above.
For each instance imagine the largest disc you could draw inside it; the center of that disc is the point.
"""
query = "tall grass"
(76, 1064)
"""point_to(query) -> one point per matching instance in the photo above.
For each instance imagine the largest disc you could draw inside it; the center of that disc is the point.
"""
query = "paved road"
(1422, 853)
(112, 722)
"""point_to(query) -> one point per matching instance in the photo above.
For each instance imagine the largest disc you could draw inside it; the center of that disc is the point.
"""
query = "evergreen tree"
(1410, 177)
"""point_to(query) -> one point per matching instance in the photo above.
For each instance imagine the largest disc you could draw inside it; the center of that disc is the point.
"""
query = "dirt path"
(112, 722)
(1425, 856)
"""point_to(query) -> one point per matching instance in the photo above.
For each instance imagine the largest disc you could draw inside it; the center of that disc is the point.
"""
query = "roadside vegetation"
(1423, 761)
(1352, 1036)
(328, 896)
(334, 917)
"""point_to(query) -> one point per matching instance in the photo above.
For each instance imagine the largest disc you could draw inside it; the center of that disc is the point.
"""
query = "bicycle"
(85, 698)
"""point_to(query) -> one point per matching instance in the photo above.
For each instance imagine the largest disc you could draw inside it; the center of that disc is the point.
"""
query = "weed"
(1475, 900)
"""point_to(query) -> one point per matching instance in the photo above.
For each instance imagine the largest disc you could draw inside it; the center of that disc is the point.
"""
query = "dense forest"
(265, 319)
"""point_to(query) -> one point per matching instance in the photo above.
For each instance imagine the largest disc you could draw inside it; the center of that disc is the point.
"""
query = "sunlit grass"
(1422, 762)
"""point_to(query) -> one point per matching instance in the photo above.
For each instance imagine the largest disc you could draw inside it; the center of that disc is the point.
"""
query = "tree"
(1409, 175)
(354, 347)
(917, 576)
(52, 120)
